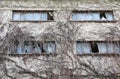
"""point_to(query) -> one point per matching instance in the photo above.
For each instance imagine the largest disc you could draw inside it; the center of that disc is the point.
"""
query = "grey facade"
(83, 47)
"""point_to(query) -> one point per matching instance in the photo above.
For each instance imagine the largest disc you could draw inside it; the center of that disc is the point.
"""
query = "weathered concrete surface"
(89, 31)
(40, 64)
(54, 3)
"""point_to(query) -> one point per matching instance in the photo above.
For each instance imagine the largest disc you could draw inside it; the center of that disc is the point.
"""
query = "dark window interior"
(94, 47)
(50, 16)
(102, 14)
(26, 43)
(43, 50)
(1, 60)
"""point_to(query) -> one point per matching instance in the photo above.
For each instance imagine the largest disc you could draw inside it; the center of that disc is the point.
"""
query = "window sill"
(96, 21)
(32, 21)
(99, 54)
(31, 54)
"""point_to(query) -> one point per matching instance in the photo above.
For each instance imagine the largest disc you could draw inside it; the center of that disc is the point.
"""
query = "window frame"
(82, 47)
(92, 11)
(30, 42)
(33, 11)
(97, 53)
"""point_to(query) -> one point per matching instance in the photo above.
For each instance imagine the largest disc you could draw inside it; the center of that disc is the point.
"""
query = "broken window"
(49, 47)
(32, 15)
(102, 16)
(92, 16)
(83, 47)
(94, 47)
(29, 47)
(97, 47)
(35, 47)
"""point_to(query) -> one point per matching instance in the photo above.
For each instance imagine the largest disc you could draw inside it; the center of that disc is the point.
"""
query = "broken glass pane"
(92, 16)
(37, 48)
(27, 47)
(49, 47)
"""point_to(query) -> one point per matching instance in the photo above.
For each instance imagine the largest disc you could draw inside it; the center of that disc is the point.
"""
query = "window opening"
(92, 16)
(83, 47)
(35, 47)
(94, 47)
(32, 15)
(102, 16)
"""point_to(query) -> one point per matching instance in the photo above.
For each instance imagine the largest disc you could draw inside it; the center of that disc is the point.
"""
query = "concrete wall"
(89, 31)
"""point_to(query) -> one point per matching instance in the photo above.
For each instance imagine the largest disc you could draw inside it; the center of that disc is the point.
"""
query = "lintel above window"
(20, 15)
(92, 16)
